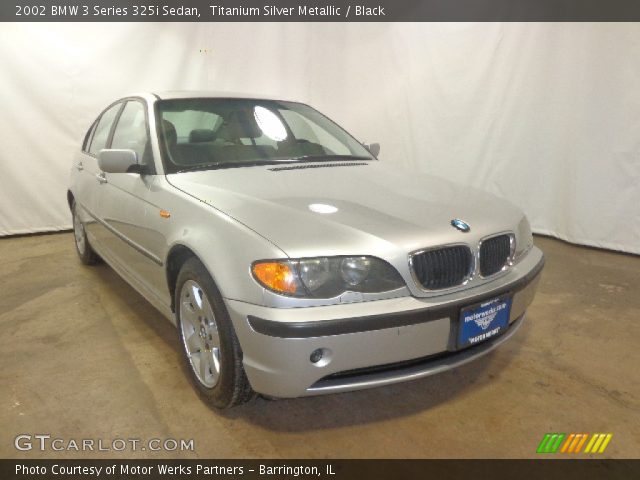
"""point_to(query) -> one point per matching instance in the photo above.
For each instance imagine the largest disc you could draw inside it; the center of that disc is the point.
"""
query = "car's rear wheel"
(83, 247)
(209, 344)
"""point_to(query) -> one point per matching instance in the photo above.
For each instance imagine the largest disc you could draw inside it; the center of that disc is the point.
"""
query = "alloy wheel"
(199, 332)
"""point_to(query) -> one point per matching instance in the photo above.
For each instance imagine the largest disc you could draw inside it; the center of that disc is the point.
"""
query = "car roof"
(176, 94)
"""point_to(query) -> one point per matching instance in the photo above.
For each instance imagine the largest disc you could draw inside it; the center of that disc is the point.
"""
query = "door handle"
(79, 166)
(101, 177)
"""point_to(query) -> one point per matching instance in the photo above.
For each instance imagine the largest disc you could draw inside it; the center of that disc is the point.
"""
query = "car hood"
(350, 209)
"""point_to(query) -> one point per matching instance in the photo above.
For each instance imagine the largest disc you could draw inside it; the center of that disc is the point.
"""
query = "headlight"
(314, 273)
(326, 277)
(355, 270)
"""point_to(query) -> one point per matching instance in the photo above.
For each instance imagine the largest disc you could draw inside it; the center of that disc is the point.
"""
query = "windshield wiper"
(313, 158)
(220, 165)
(273, 161)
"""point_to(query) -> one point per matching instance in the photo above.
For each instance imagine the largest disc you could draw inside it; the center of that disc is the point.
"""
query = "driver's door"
(124, 206)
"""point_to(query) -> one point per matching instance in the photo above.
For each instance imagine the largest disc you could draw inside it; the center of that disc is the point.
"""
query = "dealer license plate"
(483, 321)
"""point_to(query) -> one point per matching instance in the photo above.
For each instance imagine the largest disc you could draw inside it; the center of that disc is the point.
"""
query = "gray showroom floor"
(83, 356)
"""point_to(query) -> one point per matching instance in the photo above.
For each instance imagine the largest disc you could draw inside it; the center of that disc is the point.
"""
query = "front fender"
(226, 247)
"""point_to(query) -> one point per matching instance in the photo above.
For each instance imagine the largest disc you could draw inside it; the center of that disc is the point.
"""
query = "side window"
(131, 131)
(101, 134)
(87, 137)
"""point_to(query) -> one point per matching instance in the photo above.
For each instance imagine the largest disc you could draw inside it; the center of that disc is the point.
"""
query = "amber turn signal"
(275, 276)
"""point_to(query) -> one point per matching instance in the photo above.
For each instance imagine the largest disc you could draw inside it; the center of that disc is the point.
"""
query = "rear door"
(87, 184)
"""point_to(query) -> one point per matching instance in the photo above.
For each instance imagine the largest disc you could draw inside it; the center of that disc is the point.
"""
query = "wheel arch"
(177, 256)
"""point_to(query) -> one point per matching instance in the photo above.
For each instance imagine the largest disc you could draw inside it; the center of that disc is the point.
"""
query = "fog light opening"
(320, 357)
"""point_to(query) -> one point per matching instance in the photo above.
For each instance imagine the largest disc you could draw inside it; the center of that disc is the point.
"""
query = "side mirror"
(118, 161)
(374, 148)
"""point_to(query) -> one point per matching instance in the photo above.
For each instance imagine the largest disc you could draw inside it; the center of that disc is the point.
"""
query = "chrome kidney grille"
(494, 254)
(444, 267)
(453, 265)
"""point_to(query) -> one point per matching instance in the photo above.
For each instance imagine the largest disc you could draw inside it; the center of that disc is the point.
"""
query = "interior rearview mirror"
(118, 161)
(374, 148)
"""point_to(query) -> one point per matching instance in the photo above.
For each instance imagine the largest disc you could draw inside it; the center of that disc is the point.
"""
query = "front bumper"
(373, 343)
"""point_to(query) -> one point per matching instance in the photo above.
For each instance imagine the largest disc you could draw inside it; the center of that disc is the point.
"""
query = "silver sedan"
(292, 261)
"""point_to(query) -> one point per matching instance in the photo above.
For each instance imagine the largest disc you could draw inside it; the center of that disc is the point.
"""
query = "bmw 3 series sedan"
(291, 260)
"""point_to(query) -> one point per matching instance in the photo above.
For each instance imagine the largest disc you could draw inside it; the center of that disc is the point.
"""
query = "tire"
(83, 247)
(206, 335)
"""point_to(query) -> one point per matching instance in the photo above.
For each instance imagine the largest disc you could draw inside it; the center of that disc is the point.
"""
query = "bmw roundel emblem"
(460, 225)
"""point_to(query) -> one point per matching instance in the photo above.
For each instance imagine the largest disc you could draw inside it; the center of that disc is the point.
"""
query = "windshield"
(209, 133)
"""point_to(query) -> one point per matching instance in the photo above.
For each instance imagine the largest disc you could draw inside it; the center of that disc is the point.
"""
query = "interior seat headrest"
(201, 135)
(169, 133)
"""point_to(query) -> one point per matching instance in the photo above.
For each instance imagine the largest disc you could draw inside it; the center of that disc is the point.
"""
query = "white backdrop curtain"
(546, 115)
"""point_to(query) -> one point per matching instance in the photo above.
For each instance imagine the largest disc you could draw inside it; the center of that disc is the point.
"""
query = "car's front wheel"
(83, 247)
(209, 344)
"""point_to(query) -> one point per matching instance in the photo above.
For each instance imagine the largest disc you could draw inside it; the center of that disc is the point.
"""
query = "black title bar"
(319, 10)
(315, 469)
